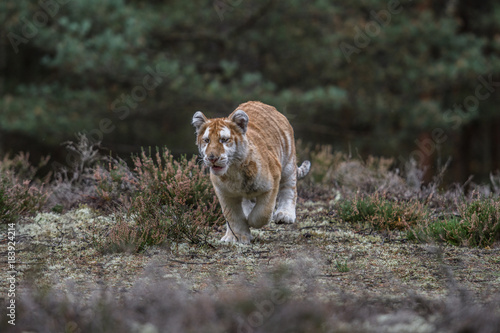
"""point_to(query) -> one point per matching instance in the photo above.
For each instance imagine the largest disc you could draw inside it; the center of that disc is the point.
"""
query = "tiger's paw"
(284, 217)
(230, 237)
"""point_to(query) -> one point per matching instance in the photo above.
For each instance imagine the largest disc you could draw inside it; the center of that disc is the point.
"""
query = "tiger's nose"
(212, 158)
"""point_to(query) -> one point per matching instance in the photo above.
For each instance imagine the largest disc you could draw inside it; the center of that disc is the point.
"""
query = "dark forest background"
(403, 79)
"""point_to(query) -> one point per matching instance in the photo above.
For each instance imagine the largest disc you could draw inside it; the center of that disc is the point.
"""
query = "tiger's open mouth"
(217, 169)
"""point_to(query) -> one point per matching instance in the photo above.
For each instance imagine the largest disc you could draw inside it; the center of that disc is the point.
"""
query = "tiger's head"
(221, 141)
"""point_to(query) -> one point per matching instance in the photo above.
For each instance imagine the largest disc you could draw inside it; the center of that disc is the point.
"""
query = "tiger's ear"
(198, 120)
(240, 118)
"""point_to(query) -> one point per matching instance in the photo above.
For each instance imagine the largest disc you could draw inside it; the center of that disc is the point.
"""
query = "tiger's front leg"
(236, 222)
(262, 213)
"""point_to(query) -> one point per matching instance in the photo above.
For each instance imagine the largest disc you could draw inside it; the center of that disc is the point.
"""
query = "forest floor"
(329, 261)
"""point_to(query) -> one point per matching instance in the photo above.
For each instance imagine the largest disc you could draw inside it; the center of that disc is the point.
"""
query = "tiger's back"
(270, 132)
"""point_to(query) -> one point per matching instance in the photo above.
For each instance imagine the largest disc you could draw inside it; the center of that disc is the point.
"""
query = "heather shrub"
(448, 229)
(115, 184)
(382, 213)
(20, 193)
(90, 177)
(334, 167)
(369, 176)
(482, 217)
(495, 182)
(174, 202)
(323, 163)
(477, 225)
(353, 175)
(74, 183)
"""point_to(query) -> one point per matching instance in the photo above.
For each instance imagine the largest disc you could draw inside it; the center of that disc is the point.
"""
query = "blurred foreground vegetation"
(158, 304)
(409, 79)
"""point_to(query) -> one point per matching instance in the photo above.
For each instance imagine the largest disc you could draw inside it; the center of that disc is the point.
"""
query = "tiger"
(252, 161)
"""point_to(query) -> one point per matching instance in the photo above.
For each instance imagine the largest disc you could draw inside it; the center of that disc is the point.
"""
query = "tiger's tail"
(303, 170)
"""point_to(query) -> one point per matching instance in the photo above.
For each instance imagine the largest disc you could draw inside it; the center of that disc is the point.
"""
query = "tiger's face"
(221, 141)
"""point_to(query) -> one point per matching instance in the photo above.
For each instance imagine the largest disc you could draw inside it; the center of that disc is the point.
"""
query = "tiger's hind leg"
(287, 198)
(285, 212)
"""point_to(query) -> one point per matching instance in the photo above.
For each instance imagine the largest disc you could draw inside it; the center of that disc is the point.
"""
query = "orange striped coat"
(252, 161)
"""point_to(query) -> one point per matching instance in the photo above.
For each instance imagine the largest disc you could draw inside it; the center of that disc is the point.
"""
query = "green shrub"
(482, 217)
(478, 225)
(175, 202)
(342, 266)
(383, 214)
(449, 229)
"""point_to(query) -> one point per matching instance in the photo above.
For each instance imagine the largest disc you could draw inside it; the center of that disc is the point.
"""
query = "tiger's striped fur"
(252, 160)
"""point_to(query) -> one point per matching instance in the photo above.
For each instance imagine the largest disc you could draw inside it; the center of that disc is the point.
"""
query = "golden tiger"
(251, 156)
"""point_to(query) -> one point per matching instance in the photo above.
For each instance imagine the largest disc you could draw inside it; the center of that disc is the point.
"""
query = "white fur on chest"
(236, 184)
